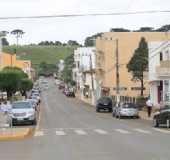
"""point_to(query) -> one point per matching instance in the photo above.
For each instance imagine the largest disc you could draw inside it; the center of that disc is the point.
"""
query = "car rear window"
(128, 105)
(21, 105)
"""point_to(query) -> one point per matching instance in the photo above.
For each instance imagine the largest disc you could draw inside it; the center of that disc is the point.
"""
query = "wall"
(128, 42)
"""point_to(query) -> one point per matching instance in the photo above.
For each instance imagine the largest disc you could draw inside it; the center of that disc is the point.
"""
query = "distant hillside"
(38, 54)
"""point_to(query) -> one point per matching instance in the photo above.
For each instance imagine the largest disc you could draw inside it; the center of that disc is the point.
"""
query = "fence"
(139, 101)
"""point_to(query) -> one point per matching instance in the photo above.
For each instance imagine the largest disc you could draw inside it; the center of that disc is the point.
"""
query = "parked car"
(69, 92)
(23, 111)
(34, 103)
(162, 117)
(126, 110)
(36, 97)
(104, 103)
(61, 86)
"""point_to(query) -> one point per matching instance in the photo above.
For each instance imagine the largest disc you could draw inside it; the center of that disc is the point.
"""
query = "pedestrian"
(149, 107)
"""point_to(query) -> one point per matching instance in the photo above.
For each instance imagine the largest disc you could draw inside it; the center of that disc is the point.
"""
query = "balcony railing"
(164, 68)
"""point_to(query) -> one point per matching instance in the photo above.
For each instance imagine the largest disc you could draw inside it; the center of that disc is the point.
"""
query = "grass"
(38, 54)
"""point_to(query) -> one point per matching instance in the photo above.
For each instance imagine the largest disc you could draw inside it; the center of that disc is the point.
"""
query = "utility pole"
(117, 73)
(92, 80)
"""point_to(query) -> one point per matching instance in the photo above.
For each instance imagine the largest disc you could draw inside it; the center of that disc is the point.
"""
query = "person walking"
(149, 107)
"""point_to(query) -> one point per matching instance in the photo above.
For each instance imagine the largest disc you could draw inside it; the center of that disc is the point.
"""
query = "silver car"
(126, 110)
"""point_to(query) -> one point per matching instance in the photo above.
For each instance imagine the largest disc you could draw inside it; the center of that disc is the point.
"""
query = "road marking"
(60, 133)
(100, 131)
(80, 132)
(162, 130)
(122, 131)
(142, 131)
(39, 133)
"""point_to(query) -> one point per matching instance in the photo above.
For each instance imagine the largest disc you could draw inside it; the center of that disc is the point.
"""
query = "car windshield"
(21, 105)
(128, 105)
(104, 100)
(167, 107)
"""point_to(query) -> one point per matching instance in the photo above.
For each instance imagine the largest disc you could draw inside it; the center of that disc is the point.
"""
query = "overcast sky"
(78, 28)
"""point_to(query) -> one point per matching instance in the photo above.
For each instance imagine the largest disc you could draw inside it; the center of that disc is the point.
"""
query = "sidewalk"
(7, 133)
(14, 133)
(143, 115)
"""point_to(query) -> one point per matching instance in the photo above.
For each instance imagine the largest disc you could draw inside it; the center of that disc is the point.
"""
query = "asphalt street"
(69, 129)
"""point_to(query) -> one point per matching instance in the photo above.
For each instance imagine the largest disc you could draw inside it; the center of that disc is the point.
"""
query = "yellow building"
(105, 61)
(7, 59)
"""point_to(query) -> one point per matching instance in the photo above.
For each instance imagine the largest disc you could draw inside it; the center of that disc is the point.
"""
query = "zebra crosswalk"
(104, 132)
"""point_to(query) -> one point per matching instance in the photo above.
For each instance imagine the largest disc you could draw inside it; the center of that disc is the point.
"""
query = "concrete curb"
(17, 135)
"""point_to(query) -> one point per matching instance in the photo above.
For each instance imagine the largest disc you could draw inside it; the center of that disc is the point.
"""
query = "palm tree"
(18, 34)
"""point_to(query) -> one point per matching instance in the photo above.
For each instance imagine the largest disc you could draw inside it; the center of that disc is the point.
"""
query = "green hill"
(38, 54)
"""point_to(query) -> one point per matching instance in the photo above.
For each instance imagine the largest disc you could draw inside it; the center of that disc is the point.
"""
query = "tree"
(89, 41)
(5, 42)
(138, 64)
(164, 28)
(18, 34)
(119, 30)
(25, 85)
(11, 80)
(67, 72)
(73, 43)
(145, 29)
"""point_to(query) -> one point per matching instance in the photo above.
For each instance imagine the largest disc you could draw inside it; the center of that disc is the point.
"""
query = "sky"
(77, 28)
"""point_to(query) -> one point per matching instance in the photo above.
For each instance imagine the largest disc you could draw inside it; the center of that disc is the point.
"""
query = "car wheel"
(97, 110)
(34, 122)
(155, 123)
(110, 110)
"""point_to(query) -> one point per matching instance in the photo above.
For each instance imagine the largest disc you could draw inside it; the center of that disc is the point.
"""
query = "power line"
(86, 15)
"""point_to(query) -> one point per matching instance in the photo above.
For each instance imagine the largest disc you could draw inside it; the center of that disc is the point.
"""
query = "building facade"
(106, 60)
(84, 73)
(11, 60)
(159, 72)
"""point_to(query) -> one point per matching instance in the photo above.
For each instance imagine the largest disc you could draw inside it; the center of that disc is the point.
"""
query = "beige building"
(105, 61)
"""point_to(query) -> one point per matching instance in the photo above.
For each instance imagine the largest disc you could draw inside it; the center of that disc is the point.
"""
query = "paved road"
(71, 130)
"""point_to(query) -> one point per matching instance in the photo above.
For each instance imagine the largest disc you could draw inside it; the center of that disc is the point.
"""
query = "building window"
(121, 88)
(167, 54)
(161, 56)
(137, 88)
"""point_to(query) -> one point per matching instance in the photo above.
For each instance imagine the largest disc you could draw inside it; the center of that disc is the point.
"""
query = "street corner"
(7, 134)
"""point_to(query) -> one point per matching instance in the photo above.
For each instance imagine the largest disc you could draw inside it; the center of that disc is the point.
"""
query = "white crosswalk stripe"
(80, 132)
(100, 131)
(60, 133)
(83, 132)
(162, 130)
(122, 131)
(39, 133)
(142, 131)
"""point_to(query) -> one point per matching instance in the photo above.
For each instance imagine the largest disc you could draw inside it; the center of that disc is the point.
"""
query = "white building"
(83, 73)
(60, 67)
(159, 72)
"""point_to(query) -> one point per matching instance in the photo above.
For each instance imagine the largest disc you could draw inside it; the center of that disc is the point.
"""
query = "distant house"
(7, 59)
(106, 59)
(159, 71)
(84, 73)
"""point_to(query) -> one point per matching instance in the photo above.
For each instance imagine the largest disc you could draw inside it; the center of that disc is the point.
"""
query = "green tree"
(18, 34)
(138, 64)
(11, 80)
(5, 42)
(25, 85)
(90, 41)
(67, 72)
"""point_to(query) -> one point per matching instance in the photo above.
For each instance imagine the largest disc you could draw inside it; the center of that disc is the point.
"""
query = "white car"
(23, 111)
